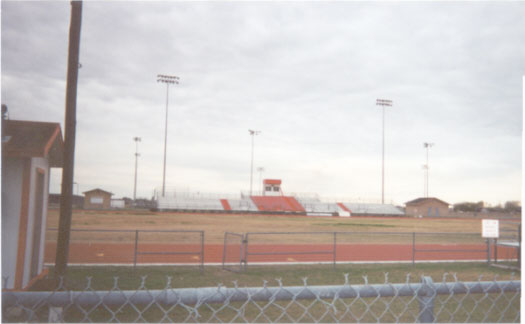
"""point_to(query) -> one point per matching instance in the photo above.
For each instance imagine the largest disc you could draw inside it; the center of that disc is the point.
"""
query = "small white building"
(29, 150)
(118, 203)
(272, 187)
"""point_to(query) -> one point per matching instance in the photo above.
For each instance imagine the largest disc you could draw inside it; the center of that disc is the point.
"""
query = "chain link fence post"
(335, 249)
(413, 248)
(244, 252)
(488, 251)
(426, 296)
(202, 252)
(136, 249)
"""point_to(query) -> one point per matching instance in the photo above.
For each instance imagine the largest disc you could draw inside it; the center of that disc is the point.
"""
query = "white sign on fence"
(490, 228)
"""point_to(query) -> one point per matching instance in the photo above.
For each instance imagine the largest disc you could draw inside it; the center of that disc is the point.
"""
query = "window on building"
(275, 188)
(96, 200)
(268, 188)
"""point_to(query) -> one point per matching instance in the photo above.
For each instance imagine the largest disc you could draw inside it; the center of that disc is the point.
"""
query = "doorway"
(37, 221)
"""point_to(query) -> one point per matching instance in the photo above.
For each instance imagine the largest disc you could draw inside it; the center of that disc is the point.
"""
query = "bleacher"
(315, 207)
(277, 204)
(272, 201)
(188, 203)
(373, 209)
(242, 205)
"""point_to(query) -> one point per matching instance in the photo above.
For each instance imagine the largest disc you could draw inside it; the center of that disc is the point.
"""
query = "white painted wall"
(12, 177)
(118, 203)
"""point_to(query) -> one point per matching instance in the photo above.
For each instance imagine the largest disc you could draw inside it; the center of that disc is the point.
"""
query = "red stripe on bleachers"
(277, 203)
(226, 204)
(294, 204)
(343, 207)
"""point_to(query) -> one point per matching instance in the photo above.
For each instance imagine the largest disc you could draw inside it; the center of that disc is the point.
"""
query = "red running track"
(122, 253)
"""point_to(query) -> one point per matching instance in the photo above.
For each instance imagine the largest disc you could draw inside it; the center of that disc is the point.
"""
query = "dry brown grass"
(214, 225)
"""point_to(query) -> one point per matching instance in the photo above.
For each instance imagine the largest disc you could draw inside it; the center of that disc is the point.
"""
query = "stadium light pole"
(383, 103)
(427, 146)
(167, 79)
(425, 180)
(253, 133)
(137, 140)
(261, 170)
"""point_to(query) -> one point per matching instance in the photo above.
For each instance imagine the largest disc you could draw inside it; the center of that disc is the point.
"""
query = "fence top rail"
(230, 233)
(221, 294)
(128, 231)
(365, 233)
(292, 233)
(94, 230)
(409, 233)
(172, 231)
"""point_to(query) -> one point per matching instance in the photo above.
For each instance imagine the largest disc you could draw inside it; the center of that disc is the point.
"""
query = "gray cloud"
(306, 74)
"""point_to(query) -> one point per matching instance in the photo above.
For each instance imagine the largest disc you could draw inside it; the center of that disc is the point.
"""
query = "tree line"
(509, 207)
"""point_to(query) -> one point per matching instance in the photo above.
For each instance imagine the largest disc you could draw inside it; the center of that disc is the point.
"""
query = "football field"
(124, 237)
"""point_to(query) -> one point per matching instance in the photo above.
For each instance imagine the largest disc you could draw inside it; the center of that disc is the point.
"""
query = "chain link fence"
(233, 252)
(334, 247)
(92, 246)
(425, 301)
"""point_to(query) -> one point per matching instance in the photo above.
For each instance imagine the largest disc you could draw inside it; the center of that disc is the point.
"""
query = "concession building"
(29, 150)
(427, 207)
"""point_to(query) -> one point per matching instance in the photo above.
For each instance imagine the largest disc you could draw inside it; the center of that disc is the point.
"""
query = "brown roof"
(33, 139)
(419, 201)
(99, 190)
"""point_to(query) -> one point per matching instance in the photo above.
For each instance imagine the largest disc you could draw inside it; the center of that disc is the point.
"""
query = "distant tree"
(496, 208)
(469, 206)
(513, 206)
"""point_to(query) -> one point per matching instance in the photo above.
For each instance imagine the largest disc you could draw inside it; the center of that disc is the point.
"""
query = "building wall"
(105, 203)
(421, 210)
(117, 203)
(12, 170)
(13, 173)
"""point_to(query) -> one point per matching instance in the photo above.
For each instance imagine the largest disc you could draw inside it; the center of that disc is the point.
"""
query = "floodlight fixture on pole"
(137, 140)
(383, 103)
(425, 168)
(253, 133)
(427, 146)
(261, 170)
(167, 79)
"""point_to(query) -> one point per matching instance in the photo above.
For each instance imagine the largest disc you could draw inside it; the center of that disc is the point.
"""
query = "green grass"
(189, 277)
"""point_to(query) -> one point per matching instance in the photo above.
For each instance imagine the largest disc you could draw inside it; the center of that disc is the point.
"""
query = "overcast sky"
(306, 74)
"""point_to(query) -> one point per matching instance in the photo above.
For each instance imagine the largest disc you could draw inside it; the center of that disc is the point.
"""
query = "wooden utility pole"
(66, 207)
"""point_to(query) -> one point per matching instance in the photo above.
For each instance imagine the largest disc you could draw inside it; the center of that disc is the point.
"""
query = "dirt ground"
(215, 225)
